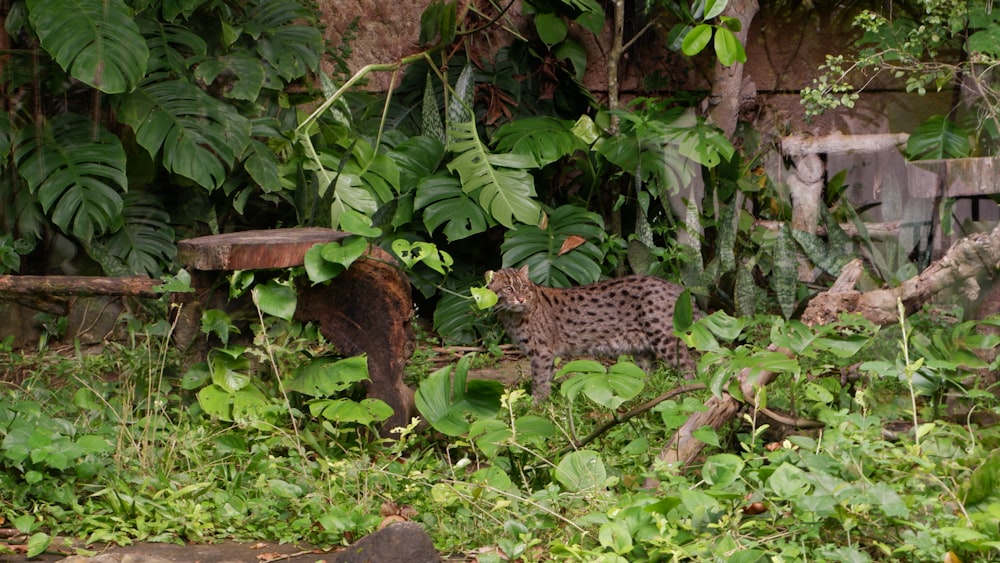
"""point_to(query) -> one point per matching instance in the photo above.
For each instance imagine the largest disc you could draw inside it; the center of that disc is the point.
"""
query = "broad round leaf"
(720, 470)
(323, 377)
(275, 300)
(484, 297)
(728, 47)
(551, 28)
(714, 8)
(582, 470)
(344, 252)
(318, 269)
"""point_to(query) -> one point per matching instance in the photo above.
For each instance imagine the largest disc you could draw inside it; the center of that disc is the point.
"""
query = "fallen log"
(683, 448)
(969, 260)
(139, 286)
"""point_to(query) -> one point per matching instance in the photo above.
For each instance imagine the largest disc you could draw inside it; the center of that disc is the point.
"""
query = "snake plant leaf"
(784, 278)
(197, 136)
(95, 41)
(433, 125)
(77, 171)
(460, 105)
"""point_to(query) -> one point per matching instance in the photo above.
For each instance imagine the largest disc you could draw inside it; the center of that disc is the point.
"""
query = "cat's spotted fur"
(629, 315)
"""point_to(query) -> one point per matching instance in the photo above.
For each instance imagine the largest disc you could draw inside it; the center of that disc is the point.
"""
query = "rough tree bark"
(728, 88)
(684, 448)
(968, 262)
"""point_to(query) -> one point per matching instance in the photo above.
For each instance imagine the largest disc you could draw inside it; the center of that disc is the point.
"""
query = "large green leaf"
(76, 169)
(96, 41)
(582, 470)
(242, 73)
(146, 242)
(938, 137)
(416, 158)
(453, 319)
(504, 189)
(323, 377)
(289, 49)
(445, 402)
(169, 45)
(444, 203)
(545, 139)
(349, 192)
(550, 253)
(199, 137)
(6, 138)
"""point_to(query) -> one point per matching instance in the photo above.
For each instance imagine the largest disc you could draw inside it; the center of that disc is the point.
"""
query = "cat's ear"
(523, 270)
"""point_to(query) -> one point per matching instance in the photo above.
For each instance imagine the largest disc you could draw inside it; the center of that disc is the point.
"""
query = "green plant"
(930, 45)
(167, 105)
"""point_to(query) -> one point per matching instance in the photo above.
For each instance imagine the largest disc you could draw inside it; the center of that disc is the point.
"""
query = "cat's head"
(513, 288)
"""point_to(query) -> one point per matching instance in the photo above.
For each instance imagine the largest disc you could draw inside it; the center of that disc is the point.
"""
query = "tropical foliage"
(140, 122)
(927, 46)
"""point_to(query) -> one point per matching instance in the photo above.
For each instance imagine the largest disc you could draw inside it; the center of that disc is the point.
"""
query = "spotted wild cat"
(629, 315)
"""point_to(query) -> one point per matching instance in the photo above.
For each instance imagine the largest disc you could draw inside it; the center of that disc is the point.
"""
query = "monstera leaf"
(561, 251)
(546, 139)
(938, 137)
(96, 41)
(500, 182)
(77, 172)
(169, 45)
(289, 49)
(146, 242)
(199, 136)
(444, 203)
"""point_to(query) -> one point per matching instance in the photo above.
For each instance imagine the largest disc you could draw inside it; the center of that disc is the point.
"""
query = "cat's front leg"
(541, 376)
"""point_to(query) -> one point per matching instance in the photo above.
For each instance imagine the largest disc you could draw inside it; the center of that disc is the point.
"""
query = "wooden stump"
(365, 310)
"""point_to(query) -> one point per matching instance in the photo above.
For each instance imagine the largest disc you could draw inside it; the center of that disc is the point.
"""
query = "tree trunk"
(728, 87)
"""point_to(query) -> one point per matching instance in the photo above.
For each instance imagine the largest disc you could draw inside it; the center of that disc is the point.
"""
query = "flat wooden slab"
(252, 250)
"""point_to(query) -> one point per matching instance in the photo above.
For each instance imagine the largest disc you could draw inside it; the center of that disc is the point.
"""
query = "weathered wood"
(139, 286)
(968, 260)
(683, 448)
(253, 250)
(838, 143)
(367, 309)
(875, 230)
(960, 177)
